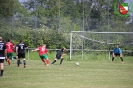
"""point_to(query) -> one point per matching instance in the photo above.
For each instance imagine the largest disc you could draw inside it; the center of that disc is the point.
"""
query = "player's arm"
(35, 50)
(113, 51)
(5, 53)
(17, 50)
(64, 54)
(65, 49)
(26, 47)
(46, 51)
(120, 51)
(13, 46)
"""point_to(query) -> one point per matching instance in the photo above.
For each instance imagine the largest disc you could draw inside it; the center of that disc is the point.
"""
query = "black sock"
(18, 62)
(112, 58)
(53, 62)
(2, 72)
(121, 58)
(61, 61)
(24, 61)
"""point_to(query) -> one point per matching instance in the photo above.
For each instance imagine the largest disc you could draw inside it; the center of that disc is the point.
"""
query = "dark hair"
(8, 40)
(20, 41)
(116, 44)
(62, 49)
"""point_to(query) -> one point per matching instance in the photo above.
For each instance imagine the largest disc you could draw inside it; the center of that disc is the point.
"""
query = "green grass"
(89, 74)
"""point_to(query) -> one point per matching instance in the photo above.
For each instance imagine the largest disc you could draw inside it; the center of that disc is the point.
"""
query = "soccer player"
(42, 53)
(16, 55)
(20, 51)
(9, 47)
(117, 52)
(2, 56)
(59, 55)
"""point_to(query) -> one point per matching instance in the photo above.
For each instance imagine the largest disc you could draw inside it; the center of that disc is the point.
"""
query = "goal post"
(82, 43)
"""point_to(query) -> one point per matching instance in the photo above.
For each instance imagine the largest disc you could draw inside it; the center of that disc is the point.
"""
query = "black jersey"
(21, 47)
(2, 49)
(60, 52)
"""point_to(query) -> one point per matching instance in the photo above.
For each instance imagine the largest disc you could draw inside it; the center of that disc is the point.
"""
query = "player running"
(42, 53)
(10, 51)
(2, 56)
(117, 52)
(59, 55)
(20, 51)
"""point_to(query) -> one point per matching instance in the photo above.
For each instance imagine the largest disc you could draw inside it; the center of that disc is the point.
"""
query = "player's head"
(9, 40)
(20, 41)
(0, 38)
(64, 49)
(117, 45)
(44, 45)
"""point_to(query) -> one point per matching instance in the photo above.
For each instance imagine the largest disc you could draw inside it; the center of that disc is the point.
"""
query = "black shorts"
(1, 60)
(117, 54)
(21, 55)
(58, 56)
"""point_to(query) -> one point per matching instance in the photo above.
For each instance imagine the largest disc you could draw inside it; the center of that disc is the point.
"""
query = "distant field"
(89, 74)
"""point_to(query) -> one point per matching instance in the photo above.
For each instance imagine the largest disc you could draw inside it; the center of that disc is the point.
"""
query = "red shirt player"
(42, 50)
(43, 53)
(10, 50)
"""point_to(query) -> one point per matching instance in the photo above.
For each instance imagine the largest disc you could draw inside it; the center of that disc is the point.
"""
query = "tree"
(6, 8)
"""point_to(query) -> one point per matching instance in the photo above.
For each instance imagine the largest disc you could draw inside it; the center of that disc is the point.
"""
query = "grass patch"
(89, 74)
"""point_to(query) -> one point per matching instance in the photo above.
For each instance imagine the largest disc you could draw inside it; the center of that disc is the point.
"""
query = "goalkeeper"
(117, 52)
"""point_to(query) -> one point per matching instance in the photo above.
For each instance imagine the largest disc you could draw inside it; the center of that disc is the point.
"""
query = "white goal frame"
(71, 36)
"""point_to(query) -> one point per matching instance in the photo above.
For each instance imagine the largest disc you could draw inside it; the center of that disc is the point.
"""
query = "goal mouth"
(86, 41)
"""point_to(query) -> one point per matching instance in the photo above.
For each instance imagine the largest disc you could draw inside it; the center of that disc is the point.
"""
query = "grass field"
(89, 74)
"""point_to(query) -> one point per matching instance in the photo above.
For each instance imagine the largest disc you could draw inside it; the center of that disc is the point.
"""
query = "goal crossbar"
(102, 32)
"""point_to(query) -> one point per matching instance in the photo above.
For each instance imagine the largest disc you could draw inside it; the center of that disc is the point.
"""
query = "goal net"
(99, 45)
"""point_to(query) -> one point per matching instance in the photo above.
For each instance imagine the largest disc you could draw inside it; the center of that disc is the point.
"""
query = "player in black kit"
(59, 55)
(2, 56)
(20, 51)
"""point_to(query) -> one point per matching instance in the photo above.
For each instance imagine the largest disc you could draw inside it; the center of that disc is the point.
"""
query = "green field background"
(94, 71)
(77, 56)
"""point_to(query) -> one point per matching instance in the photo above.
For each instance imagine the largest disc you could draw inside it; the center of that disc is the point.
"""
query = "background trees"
(50, 21)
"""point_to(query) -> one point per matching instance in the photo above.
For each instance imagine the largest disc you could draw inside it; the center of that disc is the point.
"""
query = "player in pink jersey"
(42, 53)
(10, 51)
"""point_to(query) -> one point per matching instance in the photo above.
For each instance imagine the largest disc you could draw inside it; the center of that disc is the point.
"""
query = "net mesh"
(85, 44)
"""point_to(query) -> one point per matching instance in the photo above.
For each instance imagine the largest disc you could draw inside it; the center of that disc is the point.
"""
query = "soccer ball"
(77, 63)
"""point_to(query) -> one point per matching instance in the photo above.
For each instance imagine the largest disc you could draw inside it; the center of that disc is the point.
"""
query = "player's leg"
(18, 59)
(121, 58)
(8, 59)
(57, 58)
(54, 61)
(42, 58)
(1, 67)
(18, 62)
(113, 56)
(61, 60)
(24, 60)
(46, 59)
(12, 56)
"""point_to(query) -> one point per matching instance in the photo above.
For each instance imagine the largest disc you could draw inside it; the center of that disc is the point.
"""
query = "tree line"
(50, 21)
